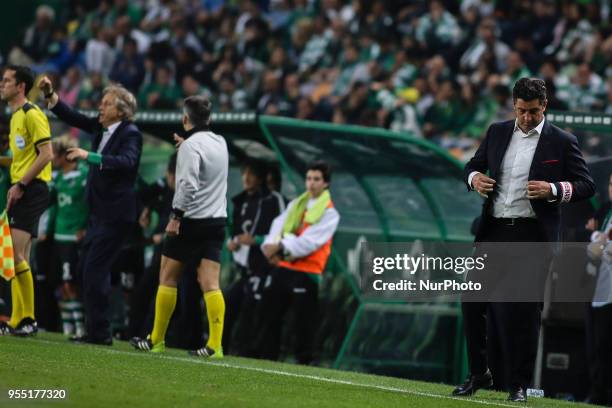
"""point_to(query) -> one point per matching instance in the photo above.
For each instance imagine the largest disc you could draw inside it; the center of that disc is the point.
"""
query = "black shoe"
(5, 329)
(90, 340)
(473, 383)
(207, 352)
(517, 395)
(26, 327)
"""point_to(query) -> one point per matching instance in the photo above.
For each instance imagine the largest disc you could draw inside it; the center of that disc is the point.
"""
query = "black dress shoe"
(517, 395)
(473, 383)
(90, 340)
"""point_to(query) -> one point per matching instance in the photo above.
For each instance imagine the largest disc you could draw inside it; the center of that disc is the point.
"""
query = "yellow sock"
(23, 274)
(215, 309)
(17, 305)
(165, 302)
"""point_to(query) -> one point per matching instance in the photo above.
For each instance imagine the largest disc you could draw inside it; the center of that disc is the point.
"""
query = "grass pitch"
(117, 377)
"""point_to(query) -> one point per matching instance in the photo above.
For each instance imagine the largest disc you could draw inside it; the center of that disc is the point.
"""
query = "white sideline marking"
(289, 374)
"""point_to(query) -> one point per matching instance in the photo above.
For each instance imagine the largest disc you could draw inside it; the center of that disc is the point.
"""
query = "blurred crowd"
(437, 69)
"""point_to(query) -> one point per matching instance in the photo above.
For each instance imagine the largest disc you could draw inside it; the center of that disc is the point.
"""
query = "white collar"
(111, 128)
(537, 129)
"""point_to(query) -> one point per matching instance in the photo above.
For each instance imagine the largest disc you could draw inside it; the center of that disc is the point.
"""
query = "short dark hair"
(198, 109)
(256, 167)
(22, 75)
(275, 173)
(529, 89)
(172, 164)
(323, 167)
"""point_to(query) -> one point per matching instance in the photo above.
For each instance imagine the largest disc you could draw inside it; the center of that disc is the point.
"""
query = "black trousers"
(599, 340)
(242, 305)
(288, 290)
(101, 248)
(506, 333)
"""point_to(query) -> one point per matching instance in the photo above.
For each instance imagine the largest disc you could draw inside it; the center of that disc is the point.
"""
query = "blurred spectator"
(572, 33)
(162, 93)
(440, 117)
(128, 69)
(181, 37)
(70, 87)
(191, 87)
(586, 91)
(99, 54)
(124, 32)
(437, 29)
(515, 69)
(486, 42)
(269, 102)
(39, 35)
(91, 91)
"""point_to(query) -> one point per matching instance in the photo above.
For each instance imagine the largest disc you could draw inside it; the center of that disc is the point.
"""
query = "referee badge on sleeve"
(20, 142)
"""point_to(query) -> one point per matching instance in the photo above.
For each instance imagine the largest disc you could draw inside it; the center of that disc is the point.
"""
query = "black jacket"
(557, 159)
(253, 214)
(111, 195)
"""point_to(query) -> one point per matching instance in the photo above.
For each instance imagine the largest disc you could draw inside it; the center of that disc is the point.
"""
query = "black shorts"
(68, 259)
(197, 239)
(25, 213)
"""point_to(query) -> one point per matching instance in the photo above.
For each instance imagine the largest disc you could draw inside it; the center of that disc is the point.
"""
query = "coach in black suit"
(533, 167)
(114, 160)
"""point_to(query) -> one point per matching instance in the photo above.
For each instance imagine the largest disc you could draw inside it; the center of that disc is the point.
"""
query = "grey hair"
(124, 100)
(198, 109)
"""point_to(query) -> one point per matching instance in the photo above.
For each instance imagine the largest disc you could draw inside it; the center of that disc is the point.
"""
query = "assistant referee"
(28, 197)
(196, 230)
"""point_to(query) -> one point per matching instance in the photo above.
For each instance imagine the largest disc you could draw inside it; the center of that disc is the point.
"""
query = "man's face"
(250, 181)
(529, 113)
(315, 184)
(109, 113)
(9, 88)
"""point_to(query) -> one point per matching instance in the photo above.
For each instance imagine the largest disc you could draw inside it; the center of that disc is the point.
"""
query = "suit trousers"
(503, 336)
(101, 248)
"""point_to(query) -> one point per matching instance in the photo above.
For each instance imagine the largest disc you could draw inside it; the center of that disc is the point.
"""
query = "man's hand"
(275, 259)
(178, 141)
(246, 239)
(80, 234)
(45, 85)
(591, 225)
(157, 238)
(232, 245)
(483, 184)
(77, 153)
(270, 250)
(172, 229)
(13, 195)
(539, 190)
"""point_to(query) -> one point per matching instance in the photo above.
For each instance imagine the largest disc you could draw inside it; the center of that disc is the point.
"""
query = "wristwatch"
(22, 185)
(173, 216)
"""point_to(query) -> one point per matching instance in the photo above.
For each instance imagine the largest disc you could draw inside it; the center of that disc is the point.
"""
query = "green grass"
(117, 377)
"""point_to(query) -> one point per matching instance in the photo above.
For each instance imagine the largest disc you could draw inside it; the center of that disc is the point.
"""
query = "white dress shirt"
(511, 200)
(107, 135)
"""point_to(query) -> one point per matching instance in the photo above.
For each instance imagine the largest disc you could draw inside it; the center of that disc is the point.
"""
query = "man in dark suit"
(114, 160)
(532, 167)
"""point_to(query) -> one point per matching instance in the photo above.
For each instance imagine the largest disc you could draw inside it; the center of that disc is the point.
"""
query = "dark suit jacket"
(110, 185)
(557, 159)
